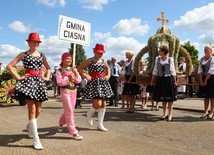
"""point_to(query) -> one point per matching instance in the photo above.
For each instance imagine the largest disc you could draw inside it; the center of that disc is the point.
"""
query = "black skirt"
(202, 90)
(210, 87)
(208, 90)
(131, 88)
(165, 89)
(150, 89)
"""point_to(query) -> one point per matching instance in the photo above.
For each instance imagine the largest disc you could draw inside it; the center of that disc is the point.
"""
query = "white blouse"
(211, 69)
(184, 66)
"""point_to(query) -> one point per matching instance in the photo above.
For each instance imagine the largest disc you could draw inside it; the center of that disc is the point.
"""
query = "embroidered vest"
(163, 69)
(205, 67)
(128, 68)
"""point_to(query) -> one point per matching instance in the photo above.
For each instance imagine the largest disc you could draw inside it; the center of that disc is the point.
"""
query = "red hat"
(99, 48)
(64, 56)
(34, 37)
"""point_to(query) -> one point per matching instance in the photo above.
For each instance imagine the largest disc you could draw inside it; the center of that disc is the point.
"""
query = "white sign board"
(74, 30)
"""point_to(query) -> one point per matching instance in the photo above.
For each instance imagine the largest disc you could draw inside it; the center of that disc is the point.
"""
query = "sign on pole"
(74, 30)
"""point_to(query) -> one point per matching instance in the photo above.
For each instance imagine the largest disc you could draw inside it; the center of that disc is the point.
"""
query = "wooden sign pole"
(74, 55)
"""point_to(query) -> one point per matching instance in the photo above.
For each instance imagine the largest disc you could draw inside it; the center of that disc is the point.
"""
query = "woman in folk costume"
(32, 86)
(206, 81)
(165, 86)
(67, 77)
(130, 89)
(98, 87)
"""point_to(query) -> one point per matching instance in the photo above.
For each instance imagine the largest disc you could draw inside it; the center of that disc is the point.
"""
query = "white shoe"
(102, 129)
(60, 128)
(77, 137)
(37, 145)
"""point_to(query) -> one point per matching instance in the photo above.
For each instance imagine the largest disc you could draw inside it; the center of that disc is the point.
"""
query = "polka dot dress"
(32, 87)
(97, 87)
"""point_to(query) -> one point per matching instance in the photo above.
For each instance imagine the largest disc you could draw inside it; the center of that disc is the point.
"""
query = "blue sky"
(120, 25)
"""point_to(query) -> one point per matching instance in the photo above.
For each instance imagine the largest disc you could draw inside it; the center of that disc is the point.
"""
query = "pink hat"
(64, 56)
(99, 48)
(34, 37)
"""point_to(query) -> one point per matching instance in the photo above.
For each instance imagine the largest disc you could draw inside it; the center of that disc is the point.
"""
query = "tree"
(193, 52)
(80, 53)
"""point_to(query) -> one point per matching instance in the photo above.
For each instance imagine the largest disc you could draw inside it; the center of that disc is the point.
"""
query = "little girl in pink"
(67, 77)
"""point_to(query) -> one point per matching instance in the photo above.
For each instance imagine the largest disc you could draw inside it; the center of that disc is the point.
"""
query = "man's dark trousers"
(114, 86)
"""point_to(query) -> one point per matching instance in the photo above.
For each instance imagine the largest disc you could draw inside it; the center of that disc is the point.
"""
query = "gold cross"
(162, 19)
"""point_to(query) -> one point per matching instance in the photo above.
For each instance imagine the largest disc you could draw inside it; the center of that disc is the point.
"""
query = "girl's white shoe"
(77, 136)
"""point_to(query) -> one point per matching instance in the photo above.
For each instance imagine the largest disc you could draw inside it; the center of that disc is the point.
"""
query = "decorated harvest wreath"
(6, 90)
(163, 36)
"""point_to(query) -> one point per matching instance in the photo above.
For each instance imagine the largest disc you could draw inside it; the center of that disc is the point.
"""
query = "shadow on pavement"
(9, 140)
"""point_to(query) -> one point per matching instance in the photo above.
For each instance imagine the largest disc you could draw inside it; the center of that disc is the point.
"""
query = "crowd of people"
(104, 81)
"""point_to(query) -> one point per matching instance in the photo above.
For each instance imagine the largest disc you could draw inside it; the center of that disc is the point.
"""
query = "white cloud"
(53, 45)
(206, 38)
(200, 19)
(19, 26)
(53, 48)
(100, 36)
(96, 5)
(8, 52)
(62, 3)
(131, 26)
(118, 46)
(52, 3)
(123, 43)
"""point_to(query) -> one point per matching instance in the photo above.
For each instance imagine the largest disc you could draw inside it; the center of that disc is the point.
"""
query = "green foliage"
(80, 53)
(21, 72)
(193, 52)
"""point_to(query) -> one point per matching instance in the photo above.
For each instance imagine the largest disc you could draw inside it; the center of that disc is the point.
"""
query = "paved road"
(138, 133)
